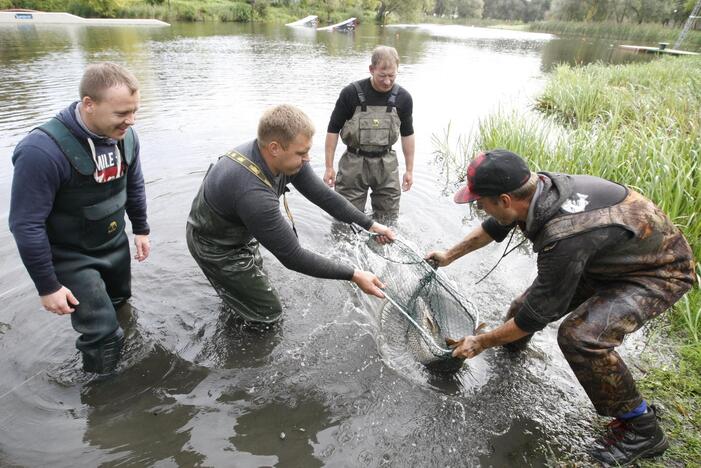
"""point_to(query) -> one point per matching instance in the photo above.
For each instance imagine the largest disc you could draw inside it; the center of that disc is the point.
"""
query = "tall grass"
(639, 124)
(648, 33)
(186, 10)
(237, 11)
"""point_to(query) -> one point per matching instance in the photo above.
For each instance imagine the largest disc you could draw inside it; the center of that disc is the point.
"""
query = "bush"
(236, 12)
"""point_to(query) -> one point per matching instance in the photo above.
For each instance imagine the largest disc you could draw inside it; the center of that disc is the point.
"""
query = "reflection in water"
(285, 430)
(195, 388)
(135, 415)
(234, 343)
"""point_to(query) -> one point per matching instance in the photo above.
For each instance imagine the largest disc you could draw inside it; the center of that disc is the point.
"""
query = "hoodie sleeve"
(136, 194)
(39, 171)
(315, 190)
(560, 270)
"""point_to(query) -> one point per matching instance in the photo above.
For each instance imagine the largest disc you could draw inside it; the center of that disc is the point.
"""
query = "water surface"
(323, 388)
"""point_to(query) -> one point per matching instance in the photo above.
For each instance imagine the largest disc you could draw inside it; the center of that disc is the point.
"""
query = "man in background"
(371, 115)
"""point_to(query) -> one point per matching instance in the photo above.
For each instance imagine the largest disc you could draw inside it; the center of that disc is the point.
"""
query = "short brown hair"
(282, 124)
(101, 76)
(383, 54)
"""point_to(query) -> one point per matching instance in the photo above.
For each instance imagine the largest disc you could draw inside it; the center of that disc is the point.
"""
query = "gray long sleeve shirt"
(241, 198)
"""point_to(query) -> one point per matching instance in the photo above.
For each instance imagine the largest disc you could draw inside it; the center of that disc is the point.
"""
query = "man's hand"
(466, 347)
(143, 247)
(368, 283)
(407, 181)
(60, 302)
(385, 234)
(330, 177)
(438, 258)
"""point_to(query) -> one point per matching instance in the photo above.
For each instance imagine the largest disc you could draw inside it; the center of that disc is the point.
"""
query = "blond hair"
(282, 124)
(99, 77)
(382, 54)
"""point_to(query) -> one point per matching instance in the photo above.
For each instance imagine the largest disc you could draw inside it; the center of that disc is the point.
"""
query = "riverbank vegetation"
(662, 12)
(638, 124)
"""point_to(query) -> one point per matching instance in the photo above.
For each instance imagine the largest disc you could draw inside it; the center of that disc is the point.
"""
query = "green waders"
(91, 250)
(231, 261)
(369, 163)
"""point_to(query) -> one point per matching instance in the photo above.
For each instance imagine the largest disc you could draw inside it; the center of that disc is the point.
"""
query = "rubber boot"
(628, 440)
(103, 358)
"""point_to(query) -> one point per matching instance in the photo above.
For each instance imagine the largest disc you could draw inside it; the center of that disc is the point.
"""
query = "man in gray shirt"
(238, 207)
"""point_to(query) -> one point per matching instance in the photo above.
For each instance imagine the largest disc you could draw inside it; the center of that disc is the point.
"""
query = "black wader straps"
(361, 96)
(256, 171)
(392, 101)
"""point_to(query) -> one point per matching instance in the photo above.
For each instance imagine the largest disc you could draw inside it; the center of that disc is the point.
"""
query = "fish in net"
(422, 308)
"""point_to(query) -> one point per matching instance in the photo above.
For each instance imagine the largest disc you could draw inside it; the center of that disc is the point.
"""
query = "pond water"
(324, 388)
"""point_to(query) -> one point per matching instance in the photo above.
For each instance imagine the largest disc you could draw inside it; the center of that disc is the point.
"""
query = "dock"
(20, 17)
(662, 49)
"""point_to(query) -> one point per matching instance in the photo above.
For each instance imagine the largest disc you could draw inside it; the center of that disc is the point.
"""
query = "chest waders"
(229, 256)
(621, 289)
(369, 162)
(90, 248)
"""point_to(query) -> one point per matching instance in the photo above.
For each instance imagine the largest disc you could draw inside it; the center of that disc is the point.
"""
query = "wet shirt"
(348, 101)
(40, 170)
(241, 198)
(562, 265)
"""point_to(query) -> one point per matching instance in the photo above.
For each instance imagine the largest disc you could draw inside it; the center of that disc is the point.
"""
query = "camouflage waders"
(369, 161)
(230, 260)
(617, 294)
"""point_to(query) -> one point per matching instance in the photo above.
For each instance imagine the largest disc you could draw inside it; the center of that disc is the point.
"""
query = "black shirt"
(348, 100)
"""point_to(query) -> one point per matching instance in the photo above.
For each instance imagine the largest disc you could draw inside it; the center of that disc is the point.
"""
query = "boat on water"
(311, 21)
(22, 16)
(344, 26)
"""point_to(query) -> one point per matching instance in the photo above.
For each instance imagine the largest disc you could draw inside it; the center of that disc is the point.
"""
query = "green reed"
(638, 124)
(646, 33)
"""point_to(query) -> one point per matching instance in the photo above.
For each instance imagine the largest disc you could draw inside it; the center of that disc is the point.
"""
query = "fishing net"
(422, 308)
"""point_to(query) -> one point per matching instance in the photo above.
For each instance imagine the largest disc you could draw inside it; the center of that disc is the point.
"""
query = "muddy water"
(324, 388)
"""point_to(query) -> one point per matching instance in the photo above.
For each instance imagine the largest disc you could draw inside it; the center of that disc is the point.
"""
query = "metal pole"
(687, 26)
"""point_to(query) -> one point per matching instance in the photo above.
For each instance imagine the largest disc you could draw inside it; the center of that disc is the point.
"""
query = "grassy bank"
(644, 34)
(236, 11)
(638, 124)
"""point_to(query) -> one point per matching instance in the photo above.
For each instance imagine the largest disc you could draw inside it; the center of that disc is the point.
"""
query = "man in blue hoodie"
(74, 178)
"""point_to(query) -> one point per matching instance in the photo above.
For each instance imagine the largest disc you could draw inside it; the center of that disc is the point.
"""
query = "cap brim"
(465, 196)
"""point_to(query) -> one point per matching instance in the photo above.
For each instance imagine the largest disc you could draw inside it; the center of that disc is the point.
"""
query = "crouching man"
(607, 256)
(238, 207)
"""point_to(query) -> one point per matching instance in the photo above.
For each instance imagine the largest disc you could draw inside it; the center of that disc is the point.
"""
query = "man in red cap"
(607, 256)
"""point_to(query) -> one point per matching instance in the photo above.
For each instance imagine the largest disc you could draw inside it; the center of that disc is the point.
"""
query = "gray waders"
(91, 250)
(369, 163)
(230, 259)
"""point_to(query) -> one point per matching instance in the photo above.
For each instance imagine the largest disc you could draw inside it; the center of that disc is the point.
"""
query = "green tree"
(579, 10)
(406, 8)
(516, 10)
(647, 11)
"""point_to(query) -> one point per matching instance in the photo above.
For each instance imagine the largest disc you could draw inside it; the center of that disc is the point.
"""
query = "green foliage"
(638, 124)
(646, 33)
(516, 10)
(638, 11)
(92, 8)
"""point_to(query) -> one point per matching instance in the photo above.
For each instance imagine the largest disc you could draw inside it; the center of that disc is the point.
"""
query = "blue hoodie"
(40, 170)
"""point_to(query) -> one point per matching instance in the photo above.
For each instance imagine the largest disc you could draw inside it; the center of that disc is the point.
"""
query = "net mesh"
(422, 308)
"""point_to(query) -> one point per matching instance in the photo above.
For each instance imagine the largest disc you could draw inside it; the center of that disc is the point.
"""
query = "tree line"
(669, 12)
